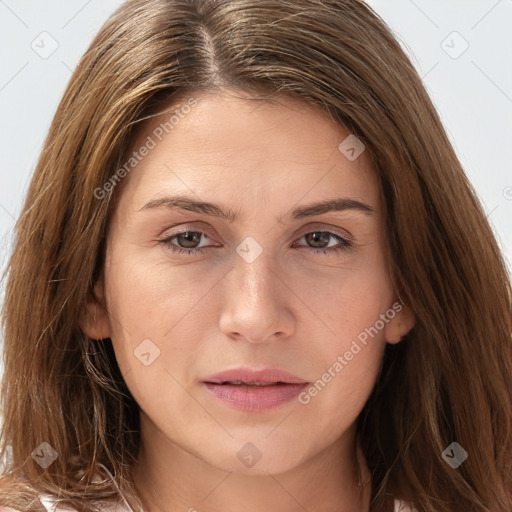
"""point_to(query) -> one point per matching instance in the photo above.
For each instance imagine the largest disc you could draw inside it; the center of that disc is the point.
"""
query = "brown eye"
(319, 241)
(188, 238)
(186, 242)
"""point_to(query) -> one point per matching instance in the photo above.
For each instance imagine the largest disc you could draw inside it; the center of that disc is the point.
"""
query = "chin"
(256, 458)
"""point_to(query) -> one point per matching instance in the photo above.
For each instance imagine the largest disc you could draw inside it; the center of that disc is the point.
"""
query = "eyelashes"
(344, 244)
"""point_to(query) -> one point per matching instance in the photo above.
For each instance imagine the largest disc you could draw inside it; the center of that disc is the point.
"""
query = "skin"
(290, 308)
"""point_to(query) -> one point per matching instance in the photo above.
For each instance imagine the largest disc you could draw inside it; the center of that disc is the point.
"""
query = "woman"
(251, 273)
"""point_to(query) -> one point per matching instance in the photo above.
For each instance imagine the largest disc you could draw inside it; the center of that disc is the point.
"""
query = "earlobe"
(400, 325)
(95, 322)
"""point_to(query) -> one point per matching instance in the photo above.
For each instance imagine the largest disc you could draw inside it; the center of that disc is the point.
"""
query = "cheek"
(337, 397)
(349, 300)
(149, 296)
(355, 308)
(155, 326)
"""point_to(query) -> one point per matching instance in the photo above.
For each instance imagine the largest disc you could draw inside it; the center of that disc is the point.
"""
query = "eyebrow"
(216, 210)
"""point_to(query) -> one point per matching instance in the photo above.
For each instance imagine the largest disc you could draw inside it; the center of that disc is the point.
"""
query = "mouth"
(254, 390)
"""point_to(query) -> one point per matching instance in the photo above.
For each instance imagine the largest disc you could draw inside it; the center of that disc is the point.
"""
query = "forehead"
(225, 142)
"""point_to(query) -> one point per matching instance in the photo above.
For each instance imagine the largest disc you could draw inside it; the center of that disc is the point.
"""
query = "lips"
(254, 390)
(246, 375)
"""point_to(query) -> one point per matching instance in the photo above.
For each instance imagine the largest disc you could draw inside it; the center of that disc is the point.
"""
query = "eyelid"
(319, 226)
(182, 228)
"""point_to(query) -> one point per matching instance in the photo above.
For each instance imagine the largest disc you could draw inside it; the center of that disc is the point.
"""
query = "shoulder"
(102, 506)
(51, 505)
(106, 506)
(401, 506)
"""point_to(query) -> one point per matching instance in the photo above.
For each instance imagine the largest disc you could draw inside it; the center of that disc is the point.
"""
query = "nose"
(257, 302)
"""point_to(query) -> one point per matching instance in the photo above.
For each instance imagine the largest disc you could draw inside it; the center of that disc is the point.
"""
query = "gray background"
(462, 49)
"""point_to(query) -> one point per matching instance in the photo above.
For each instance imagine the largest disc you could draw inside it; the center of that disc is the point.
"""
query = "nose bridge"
(255, 273)
(255, 305)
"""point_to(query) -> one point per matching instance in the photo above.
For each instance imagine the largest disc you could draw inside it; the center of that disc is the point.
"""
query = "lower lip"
(253, 398)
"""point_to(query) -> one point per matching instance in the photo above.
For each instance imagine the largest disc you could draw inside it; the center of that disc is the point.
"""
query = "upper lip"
(245, 374)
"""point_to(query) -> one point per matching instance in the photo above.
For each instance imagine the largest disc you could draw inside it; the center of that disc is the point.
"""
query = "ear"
(95, 322)
(403, 321)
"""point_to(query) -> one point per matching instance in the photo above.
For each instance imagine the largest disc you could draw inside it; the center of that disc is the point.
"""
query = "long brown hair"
(449, 380)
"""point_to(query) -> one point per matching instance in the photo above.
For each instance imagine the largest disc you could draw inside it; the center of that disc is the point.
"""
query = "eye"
(188, 238)
(187, 242)
(322, 237)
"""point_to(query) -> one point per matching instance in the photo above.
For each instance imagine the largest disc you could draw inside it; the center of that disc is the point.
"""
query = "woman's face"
(277, 283)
